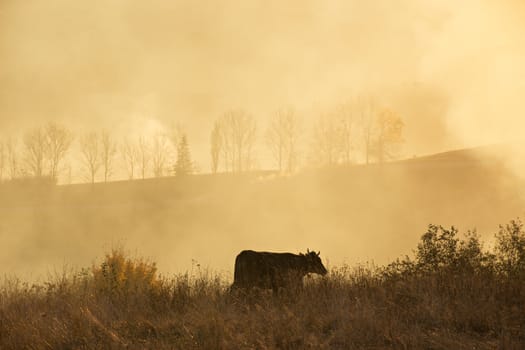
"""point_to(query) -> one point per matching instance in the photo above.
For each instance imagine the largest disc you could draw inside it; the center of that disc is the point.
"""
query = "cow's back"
(249, 269)
(263, 269)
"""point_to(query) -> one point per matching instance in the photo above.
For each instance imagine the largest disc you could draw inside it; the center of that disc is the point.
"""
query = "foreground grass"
(450, 296)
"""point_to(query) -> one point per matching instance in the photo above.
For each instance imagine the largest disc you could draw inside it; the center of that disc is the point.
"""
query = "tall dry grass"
(452, 294)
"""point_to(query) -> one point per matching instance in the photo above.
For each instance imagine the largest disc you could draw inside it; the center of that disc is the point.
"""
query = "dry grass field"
(451, 294)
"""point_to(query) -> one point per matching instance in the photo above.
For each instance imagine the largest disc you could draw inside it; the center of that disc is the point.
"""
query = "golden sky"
(453, 69)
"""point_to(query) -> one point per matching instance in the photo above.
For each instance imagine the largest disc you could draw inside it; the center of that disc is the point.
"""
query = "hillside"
(354, 213)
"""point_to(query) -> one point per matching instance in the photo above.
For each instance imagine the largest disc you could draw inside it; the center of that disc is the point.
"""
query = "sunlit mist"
(188, 131)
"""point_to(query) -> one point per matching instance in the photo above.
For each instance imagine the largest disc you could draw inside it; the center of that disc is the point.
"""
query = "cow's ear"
(318, 253)
(307, 251)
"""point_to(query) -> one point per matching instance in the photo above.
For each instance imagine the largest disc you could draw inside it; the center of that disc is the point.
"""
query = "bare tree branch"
(216, 141)
(143, 155)
(281, 137)
(367, 112)
(388, 136)
(159, 154)
(238, 130)
(327, 148)
(12, 158)
(109, 149)
(90, 147)
(58, 141)
(345, 114)
(35, 143)
(130, 157)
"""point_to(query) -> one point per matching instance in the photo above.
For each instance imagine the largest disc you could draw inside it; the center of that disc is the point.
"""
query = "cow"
(267, 270)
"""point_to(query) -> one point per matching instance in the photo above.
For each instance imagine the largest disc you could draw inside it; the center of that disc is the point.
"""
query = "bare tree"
(245, 131)
(216, 141)
(327, 148)
(108, 151)
(367, 113)
(130, 157)
(345, 115)
(58, 141)
(226, 135)
(276, 139)
(90, 147)
(282, 136)
(143, 155)
(12, 158)
(160, 152)
(35, 143)
(388, 135)
(239, 139)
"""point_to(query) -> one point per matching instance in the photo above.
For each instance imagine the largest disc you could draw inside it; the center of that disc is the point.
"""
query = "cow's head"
(314, 263)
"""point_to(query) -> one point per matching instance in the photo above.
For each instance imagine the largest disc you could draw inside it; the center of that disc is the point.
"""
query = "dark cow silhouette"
(274, 270)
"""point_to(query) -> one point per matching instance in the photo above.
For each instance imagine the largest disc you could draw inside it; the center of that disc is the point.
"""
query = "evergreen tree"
(184, 165)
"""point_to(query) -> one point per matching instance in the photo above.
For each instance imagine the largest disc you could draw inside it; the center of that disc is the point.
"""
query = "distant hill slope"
(359, 212)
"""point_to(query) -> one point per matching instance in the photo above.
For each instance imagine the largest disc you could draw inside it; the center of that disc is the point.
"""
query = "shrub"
(119, 275)
(437, 249)
(510, 248)
(441, 298)
(442, 250)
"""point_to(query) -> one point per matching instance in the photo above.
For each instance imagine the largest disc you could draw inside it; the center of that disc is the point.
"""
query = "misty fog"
(451, 70)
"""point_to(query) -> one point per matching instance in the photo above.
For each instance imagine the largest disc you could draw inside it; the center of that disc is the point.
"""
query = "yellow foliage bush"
(121, 275)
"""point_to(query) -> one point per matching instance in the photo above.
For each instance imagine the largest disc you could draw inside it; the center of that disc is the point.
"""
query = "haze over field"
(351, 214)
(452, 71)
